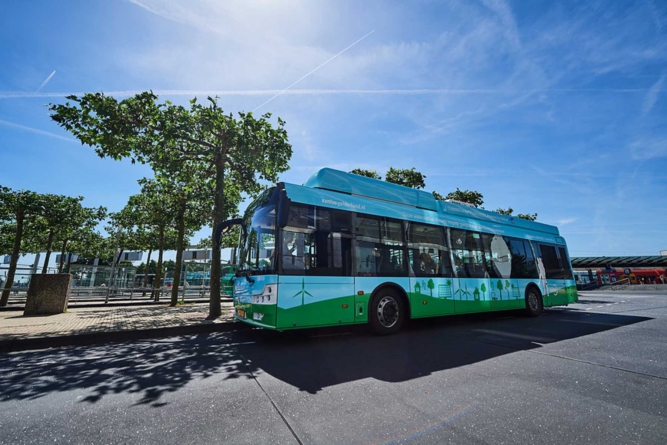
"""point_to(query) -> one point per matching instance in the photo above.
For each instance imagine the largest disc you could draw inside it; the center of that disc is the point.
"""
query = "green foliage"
(406, 177)
(528, 216)
(367, 173)
(17, 209)
(152, 268)
(437, 196)
(470, 196)
(184, 146)
(509, 211)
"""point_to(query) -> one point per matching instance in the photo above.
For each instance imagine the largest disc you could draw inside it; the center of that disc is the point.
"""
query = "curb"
(117, 336)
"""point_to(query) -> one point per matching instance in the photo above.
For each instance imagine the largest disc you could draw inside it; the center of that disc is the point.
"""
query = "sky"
(555, 108)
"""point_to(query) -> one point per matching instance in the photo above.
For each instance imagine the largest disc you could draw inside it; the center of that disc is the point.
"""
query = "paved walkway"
(87, 322)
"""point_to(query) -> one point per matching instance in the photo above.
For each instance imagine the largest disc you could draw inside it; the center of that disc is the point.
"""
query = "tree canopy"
(367, 173)
(406, 177)
(241, 152)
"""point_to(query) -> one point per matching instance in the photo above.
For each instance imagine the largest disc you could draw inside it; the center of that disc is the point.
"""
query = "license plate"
(241, 313)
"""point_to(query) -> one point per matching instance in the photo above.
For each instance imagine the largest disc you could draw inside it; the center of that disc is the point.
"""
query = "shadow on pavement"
(309, 360)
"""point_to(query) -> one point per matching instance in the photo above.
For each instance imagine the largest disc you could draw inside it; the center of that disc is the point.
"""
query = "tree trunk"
(158, 272)
(49, 245)
(148, 264)
(15, 259)
(215, 308)
(179, 255)
(62, 257)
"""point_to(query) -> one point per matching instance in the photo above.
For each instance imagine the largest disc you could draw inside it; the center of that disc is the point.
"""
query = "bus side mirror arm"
(224, 227)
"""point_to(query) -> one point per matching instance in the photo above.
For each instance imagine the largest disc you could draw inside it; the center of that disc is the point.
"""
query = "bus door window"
(428, 251)
(316, 241)
(379, 247)
(468, 254)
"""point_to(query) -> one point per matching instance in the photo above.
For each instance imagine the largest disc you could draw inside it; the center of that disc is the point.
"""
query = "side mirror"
(223, 228)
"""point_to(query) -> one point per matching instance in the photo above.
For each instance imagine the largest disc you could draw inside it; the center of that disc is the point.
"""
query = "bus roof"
(338, 189)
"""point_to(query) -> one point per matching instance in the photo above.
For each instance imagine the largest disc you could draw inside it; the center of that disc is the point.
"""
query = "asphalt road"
(595, 372)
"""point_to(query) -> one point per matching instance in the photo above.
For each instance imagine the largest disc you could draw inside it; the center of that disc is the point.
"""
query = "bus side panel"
(556, 294)
(305, 301)
(367, 285)
(431, 296)
(472, 295)
(510, 293)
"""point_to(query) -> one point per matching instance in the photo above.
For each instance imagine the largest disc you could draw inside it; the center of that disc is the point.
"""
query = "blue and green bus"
(344, 249)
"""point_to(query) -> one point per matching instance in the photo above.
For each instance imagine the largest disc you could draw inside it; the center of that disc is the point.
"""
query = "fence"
(94, 283)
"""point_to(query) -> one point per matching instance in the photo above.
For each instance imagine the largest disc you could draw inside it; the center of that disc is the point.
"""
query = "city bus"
(344, 249)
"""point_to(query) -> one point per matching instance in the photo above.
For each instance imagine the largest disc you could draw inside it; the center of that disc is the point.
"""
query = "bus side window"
(565, 264)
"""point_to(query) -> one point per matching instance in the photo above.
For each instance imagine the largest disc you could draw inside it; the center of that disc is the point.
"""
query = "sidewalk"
(80, 326)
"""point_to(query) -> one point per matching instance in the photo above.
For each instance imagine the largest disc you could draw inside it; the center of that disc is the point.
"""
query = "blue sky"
(549, 107)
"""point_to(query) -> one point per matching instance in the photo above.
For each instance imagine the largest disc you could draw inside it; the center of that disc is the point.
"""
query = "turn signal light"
(424, 302)
(345, 306)
(360, 292)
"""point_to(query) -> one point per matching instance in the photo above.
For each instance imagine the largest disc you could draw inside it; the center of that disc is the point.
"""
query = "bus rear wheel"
(386, 312)
(534, 304)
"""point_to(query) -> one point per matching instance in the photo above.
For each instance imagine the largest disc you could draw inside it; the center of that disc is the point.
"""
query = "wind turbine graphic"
(303, 292)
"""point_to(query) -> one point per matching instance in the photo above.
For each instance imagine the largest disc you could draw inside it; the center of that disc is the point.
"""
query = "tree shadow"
(309, 360)
(150, 368)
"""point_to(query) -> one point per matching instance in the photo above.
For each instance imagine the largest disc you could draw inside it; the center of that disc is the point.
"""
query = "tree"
(437, 196)
(470, 196)
(528, 216)
(59, 214)
(367, 173)
(16, 207)
(431, 285)
(499, 285)
(509, 211)
(239, 152)
(406, 177)
(483, 289)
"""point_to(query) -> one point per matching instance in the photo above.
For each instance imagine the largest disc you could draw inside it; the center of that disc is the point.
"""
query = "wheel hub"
(388, 312)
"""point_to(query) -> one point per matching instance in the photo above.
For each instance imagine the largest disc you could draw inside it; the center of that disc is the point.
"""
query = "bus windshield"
(257, 250)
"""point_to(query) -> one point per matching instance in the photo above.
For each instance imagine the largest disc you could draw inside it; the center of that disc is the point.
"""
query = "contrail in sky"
(314, 70)
(46, 81)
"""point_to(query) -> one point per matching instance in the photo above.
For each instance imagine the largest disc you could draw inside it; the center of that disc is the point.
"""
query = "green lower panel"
(427, 306)
(572, 296)
(471, 306)
(508, 305)
(320, 313)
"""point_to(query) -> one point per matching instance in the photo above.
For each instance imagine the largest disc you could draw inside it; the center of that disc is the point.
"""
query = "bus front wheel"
(387, 312)
(534, 304)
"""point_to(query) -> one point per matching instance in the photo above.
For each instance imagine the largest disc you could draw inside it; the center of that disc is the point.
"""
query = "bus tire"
(534, 303)
(387, 312)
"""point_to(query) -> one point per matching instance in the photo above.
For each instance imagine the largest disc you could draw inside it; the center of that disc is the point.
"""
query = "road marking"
(240, 344)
